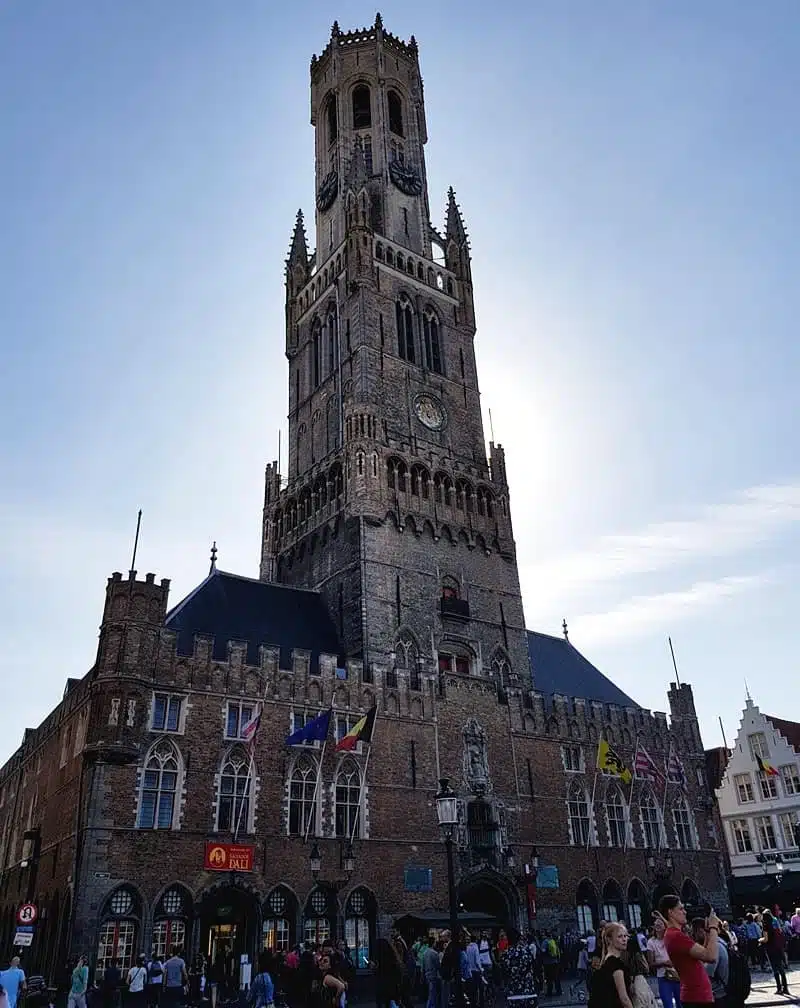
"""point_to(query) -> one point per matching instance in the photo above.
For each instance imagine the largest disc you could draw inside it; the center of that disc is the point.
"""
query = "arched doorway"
(586, 907)
(490, 894)
(612, 902)
(230, 924)
(690, 894)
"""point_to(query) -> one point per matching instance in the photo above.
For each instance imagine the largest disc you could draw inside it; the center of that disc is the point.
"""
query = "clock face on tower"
(430, 412)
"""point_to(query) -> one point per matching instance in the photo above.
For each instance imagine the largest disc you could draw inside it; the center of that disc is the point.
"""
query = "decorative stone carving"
(476, 760)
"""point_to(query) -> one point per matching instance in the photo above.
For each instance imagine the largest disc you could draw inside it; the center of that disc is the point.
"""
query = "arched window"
(348, 797)
(158, 806)
(317, 925)
(279, 913)
(233, 795)
(612, 902)
(379, 252)
(578, 811)
(637, 903)
(682, 818)
(362, 110)
(332, 424)
(406, 657)
(395, 113)
(586, 906)
(333, 342)
(651, 820)
(405, 330)
(330, 115)
(117, 937)
(358, 926)
(316, 354)
(389, 257)
(690, 894)
(616, 818)
(433, 349)
(169, 928)
(302, 798)
(450, 588)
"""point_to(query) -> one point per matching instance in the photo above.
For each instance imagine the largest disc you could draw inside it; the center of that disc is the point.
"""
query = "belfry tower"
(391, 508)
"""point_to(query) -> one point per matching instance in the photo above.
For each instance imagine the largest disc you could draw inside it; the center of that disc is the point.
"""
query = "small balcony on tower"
(451, 605)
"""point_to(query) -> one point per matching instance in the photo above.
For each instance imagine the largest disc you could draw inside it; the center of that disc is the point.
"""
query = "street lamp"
(447, 814)
(660, 870)
(347, 861)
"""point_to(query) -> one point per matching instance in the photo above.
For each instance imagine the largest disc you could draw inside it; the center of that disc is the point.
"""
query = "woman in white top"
(137, 978)
(669, 986)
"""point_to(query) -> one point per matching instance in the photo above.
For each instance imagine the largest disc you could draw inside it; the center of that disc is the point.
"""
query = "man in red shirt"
(687, 955)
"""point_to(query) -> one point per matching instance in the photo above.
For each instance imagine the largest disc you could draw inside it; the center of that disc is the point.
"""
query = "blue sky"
(628, 173)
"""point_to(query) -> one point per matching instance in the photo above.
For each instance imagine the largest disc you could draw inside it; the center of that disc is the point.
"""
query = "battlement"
(368, 36)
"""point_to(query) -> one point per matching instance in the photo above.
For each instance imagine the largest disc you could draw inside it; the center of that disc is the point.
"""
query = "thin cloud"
(644, 614)
(753, 517)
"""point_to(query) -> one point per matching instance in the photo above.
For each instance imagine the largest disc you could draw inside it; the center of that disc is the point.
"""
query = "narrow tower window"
(362, 112)
(395, 113)
(333, 124)
(405, 330)
(316, 354)
(433, 348)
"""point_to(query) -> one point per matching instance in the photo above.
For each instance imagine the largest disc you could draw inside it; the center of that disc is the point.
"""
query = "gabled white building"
(760, 811)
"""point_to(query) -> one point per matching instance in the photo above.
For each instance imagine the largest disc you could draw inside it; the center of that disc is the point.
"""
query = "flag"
(250, 729)
(610, 762)
(360, 732)
(766, 768)
(675, 773)
(644, 766)
(315, 730)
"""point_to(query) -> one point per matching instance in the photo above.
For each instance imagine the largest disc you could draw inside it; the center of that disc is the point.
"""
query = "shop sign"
(228, 857)
(23, 938)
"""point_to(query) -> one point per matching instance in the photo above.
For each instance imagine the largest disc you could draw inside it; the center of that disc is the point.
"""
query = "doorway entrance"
(488, 893)
(230, 921)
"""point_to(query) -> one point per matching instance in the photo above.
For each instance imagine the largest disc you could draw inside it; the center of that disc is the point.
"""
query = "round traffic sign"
(27, 913)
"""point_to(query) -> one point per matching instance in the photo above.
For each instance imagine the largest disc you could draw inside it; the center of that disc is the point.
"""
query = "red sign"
(531, 901)
(27, 914)
(228, 857)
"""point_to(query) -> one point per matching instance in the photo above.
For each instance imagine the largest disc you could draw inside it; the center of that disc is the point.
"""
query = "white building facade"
(760, 811)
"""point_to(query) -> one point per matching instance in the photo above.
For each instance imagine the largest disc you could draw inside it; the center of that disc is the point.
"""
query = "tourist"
(78, 984)
(176, 979)
(669, 986)
(332, 988)
(637, 971)
(388, 974)
(718, 971)
(262, 990)
(13, 981)
(609, 988)
(432, 974)
(775, 945)
(688, 956)
(136, 979)
(517, 965)
(155, 980)
(475, 984)
(111, 983)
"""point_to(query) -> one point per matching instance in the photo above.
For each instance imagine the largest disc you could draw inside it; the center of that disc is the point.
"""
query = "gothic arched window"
(578, 811)
(333, 343)
(405, 330)
(302, 798)
(233, 795)
(682, 818)
(330, 115)
(362, 111)
(316, 354)
(651, 821)
(395, 113)
(616, 818)
(158, 807)
(279, 912)
(169, 928)
(348, 800)
(431, 340)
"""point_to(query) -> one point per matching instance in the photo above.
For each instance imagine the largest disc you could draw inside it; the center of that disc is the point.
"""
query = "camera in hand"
(695, 910)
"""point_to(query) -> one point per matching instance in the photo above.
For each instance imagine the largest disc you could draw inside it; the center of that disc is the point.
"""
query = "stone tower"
(391, 509)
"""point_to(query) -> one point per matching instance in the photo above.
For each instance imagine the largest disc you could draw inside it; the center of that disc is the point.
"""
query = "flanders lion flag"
(608, 761)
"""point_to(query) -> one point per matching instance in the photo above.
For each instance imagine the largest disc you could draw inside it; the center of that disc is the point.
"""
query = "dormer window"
(395, 113)
(362, 111)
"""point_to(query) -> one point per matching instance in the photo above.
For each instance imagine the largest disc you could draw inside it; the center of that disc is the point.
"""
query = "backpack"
(155, 969)
(739, 980)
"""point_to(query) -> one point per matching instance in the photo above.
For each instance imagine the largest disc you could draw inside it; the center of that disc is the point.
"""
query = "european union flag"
(315, 730)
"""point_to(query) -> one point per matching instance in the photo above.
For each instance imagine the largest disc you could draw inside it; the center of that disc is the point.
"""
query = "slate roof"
(789, 729)
(229, 607)
(558, 667)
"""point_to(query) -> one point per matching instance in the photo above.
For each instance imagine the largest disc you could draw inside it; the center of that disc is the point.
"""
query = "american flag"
(675, 773)
(250, 729)
(644, 766)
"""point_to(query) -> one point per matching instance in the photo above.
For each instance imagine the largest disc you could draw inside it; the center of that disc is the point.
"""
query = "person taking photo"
(688, 956)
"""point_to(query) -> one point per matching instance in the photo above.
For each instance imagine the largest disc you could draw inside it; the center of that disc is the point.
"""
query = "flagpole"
(362, 789)
(250, 768)
(662, 828)
(313, 816)
(591, 811)
(630, 800)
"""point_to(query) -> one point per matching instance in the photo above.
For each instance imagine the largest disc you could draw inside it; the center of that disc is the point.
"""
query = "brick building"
(388, 576)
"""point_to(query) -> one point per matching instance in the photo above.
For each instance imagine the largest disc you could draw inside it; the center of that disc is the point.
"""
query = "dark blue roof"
(558, 667)
(229, 607)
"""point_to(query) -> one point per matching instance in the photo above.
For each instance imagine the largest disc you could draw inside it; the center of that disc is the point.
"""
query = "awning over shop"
(441, 919)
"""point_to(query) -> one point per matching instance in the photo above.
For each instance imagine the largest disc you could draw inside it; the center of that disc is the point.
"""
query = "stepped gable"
(558, 667)
(789, 729)
(230, 607)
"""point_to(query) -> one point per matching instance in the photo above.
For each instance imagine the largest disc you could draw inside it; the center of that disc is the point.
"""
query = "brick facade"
(395, 516)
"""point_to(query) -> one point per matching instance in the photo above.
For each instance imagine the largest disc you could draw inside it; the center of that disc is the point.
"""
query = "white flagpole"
(363, 787)
(317, 786)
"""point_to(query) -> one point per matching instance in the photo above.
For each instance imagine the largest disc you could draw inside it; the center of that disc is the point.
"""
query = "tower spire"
(455, 222)
(298, 253)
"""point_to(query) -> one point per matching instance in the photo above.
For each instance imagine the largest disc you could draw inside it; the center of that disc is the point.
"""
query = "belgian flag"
(766, 768)
(360, 732)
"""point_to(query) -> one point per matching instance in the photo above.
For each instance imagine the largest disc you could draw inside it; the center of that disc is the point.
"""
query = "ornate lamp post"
(447, 815)
(332, 886)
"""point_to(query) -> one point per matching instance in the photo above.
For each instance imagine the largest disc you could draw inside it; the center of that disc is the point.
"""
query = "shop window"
(116, 943)
(167, 934)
